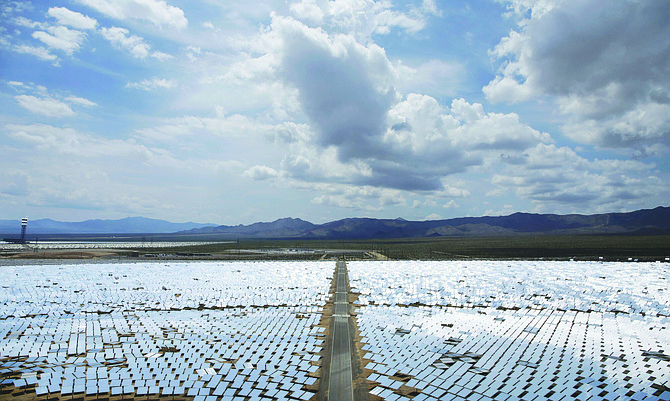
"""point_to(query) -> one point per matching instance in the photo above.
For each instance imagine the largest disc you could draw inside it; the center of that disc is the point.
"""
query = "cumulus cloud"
(451, 204)
(68, 187)
(345, 90)
(364, 18)
(8, 8)
(362, 131)
(433, 216)
(135, 45)
(80, 101)
(25, 22)
(369, 17)
(39, 52)
(71, 18)
(61, 38)
(15, 183)
(232, 126)
(609, 78)
(551, 175)
(426, 142)
(68, 141)
(48, 105)
(261, 173)
(160, 56)
(361, 198)
(307, 10)
(45, 106)
(157, 12)
(422, 123)
(344, 87)
(122, 38)
(153, 83)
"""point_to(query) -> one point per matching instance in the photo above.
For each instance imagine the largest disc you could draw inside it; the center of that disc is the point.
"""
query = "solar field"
(515, 330)
(198, 330)
(476, 330)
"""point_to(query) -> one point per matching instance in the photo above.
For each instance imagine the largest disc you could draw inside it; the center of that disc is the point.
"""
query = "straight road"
(340, 386)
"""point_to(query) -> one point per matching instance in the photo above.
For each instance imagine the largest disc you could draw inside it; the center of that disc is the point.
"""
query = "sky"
(233, 112)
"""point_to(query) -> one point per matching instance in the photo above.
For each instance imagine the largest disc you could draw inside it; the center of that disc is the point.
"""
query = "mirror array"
(203, 330)
(4, 246)
(522, 330)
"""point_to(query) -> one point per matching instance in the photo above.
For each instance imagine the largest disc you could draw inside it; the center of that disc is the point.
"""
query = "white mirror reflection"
(514, 330)
(456, 330)
(190, 329)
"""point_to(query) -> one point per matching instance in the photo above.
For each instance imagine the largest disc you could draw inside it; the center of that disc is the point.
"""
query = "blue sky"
(233, 112)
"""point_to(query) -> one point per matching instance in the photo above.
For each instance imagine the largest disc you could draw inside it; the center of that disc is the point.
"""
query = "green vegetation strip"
(615, 247)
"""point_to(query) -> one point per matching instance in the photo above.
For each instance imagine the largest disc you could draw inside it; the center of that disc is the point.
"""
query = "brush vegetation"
(614, 247)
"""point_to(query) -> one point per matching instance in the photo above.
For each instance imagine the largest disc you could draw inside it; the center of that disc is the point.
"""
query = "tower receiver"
(22, 239)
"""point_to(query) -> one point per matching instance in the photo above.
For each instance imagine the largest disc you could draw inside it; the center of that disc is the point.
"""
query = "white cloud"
(429, 7)
(261, 173)
(452, 191)
(122, 38)
(7, 8)
(61, 38)
(43, 136)
(344, 87)
(608, 78)
(157, 12)
(549, 175)
(15, 183)
(451, 205)
(431, 142)
(153, 83)
(80, 101)
(67, 141)
(336, 201)
(363, 18)
(160, 56)
(361, 198)
(234, 126)
(46, 106)
(25, 22)
(645, 127)
(361, 131)
(72, 19)
(84, 190)
(39, 52)
(38, 100)
(307, 10)
(368, 17)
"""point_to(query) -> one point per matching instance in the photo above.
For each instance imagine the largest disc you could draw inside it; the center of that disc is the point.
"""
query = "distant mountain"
(643, 222)
(648, 221)
(129, 225)
(282, 228)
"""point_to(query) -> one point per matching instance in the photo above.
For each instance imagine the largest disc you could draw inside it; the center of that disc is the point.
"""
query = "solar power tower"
(24, 225)
(22, 240)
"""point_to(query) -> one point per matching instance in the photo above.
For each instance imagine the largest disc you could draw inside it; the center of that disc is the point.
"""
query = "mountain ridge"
(128, 225)
(643, 222)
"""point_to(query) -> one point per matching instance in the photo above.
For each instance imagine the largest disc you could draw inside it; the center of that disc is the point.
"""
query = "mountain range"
(647, 221)
(642, 222)
(129, 225)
